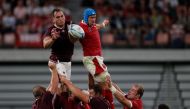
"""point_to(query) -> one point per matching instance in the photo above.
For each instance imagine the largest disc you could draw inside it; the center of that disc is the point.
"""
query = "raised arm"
(53, 86)
(119, 94)
(75, 90)
(118, 88)
(103, 24)
(121, 98)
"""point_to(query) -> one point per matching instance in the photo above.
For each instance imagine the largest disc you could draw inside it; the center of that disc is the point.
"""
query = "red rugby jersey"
(91, 43)
(136, 103)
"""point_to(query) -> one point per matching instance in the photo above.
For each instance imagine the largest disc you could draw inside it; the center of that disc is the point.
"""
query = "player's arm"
(50, 38)
(48, 42)
(119, 95)
(121, 98)
(53, 86)
(118, 88)
(75, 90)
(103, 24)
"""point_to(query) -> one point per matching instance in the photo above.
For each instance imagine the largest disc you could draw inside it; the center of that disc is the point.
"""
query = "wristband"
(113, 89)
(103, 24)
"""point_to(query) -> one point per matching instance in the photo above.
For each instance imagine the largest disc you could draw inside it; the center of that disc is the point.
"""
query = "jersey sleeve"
(47, 32)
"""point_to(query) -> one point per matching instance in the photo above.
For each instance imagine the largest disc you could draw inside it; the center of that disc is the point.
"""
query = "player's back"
(45, 102)
(99, 103)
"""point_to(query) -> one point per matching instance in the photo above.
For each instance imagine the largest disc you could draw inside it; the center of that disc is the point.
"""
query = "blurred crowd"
(22, 22)
(133, 23)
(144, 23)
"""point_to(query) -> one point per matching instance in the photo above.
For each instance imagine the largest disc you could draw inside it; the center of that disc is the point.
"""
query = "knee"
(101, 77)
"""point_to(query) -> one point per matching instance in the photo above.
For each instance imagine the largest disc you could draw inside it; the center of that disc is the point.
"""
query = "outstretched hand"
(105, 22)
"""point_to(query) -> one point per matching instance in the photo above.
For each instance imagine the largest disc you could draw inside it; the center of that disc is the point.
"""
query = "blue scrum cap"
(88, 12)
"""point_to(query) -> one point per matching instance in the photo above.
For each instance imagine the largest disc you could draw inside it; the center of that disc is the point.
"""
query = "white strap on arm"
(131, 105)
(113, 89)
(103, 24)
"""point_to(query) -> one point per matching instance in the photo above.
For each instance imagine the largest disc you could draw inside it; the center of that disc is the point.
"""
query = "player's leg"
(89, 65)
(64, 68)
(98, 69)
(90, 81)
(102, 77)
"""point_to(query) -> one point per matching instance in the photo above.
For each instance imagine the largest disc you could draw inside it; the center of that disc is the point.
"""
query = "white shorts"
(96, 66)
(64, 68)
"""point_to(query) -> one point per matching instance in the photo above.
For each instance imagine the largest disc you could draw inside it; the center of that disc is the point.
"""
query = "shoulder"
(136, 103)
(68, 21)
(83, 25)
(47, 96)
(97, 99)
(35, 104)
(99, 102)
(48, 29)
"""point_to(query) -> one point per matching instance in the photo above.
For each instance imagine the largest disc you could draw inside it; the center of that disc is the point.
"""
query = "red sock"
(108, 95)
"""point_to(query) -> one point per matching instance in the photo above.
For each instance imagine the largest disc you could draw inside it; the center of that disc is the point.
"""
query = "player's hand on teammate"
(108, 82)
(55, 34)
(62, 78)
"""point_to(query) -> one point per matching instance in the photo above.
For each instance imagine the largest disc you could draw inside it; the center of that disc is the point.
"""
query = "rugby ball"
(76, 31)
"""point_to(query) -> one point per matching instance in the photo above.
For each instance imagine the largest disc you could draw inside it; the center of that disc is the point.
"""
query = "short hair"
(140, 90)
(97, 89)
(38, 91)
(56, 10)
(163, 106)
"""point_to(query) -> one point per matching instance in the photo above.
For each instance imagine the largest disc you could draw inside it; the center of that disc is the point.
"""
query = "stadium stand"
(17, 81)
(134, 23)
(182, 76)
(143, 25)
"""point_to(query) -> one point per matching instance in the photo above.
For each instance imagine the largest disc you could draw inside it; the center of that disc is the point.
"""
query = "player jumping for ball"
(92, 50)
(58, 39)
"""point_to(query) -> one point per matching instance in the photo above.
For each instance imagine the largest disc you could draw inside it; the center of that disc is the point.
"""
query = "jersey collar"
(58, 27)
(86, 24)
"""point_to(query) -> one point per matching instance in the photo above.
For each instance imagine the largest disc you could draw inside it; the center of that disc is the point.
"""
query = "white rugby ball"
(76, 31)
